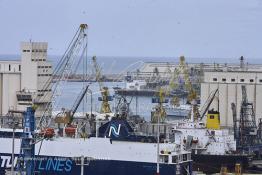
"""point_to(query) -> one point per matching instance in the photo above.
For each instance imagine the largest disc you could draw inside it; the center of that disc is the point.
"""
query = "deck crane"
(61, 73)
(67, 116)
(105, 107)
(207, 104)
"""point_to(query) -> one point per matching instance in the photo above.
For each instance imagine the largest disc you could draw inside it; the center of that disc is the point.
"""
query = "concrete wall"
(229, 86)
(10, 66)
(10, 84)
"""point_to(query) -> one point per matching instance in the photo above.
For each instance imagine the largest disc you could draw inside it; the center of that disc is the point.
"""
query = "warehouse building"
(229, 85)
(22, 82)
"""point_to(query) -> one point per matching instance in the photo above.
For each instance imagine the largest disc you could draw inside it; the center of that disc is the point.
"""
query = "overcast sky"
(194, 28)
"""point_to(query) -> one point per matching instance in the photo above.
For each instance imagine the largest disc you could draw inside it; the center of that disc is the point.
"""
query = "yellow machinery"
(213, 120)
(63, 70)
(192, 95)
(159, 110)
(105, 107)
(238, 169)
(173, 85)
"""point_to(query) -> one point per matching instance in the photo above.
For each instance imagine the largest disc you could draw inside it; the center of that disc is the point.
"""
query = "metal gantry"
(62, 72)
(247, 125)
(246, 132)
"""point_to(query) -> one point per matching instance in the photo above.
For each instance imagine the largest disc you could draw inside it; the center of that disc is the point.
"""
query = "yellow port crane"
(105, 107)
(192, 95)
(160, 112)
(173, 85)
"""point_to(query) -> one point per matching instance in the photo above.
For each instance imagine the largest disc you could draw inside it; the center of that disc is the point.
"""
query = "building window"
(211, 117)
(233, 80)
(24, 50)
(260, 81)
(242, 80)
(174, 159)
(251, 80)
(9, 67)
(214, 79)
(223, 79)
(19, 67)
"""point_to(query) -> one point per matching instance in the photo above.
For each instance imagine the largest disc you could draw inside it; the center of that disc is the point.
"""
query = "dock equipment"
(26, 162)
(213, 120)
(207, 104)
(105, 107)
(67, 116)
(246, 132)
(63, 71)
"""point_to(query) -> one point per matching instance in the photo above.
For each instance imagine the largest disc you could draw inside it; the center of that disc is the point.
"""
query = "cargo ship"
(210, 145)
(113, 149)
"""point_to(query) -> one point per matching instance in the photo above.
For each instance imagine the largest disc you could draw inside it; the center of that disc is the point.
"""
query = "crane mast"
(62, 72)
(192, 95)
(105, 107)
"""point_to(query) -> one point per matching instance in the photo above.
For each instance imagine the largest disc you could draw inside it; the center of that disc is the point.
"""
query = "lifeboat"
(70, 130)
(48, 132)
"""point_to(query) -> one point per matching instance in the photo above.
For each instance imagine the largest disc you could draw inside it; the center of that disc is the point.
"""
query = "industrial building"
(22, 82)
(229, 85)
(148, 69)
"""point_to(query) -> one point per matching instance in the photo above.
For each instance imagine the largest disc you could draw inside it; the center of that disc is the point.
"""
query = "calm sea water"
(141, 105)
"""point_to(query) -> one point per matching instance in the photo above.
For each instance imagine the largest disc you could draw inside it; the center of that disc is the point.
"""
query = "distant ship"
(143, 88)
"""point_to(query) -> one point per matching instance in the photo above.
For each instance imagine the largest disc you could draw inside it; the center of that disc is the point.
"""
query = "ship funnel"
(115, 129)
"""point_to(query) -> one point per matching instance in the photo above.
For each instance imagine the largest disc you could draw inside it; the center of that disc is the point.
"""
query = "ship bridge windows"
(184, 157)
(174, 159)
(189, 156)
(163, 158)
